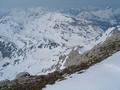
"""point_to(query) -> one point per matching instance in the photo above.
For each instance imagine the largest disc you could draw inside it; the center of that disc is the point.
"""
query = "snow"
(102, 76)
(29, 28)
(107, 34)
(36, 63)
(104, 14)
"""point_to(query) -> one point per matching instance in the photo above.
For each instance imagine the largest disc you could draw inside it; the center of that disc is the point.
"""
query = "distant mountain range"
(38, 40)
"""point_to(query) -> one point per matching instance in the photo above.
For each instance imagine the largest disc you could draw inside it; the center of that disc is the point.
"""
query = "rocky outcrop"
(75, 63)
(98, 53)
(4, 83)
(7, 48)
(22, 74)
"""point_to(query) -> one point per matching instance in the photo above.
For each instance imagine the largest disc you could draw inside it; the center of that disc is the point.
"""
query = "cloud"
(58, 3)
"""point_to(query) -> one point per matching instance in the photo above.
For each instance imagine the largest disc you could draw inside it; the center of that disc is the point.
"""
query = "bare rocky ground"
(74, 63)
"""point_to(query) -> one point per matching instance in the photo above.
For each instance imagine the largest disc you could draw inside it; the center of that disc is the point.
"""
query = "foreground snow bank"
(103, 76)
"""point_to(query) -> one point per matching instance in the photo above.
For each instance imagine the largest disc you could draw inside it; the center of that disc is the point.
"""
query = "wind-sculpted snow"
(37, 38)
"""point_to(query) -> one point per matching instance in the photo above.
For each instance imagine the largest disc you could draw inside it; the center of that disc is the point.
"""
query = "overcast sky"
(59, 3)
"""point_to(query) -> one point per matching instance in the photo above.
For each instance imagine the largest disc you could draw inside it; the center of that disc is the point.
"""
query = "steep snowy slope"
(35, 40)
(103, 76)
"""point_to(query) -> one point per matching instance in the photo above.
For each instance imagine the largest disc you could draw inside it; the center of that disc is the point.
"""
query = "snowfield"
(33, 40)
(102, 76)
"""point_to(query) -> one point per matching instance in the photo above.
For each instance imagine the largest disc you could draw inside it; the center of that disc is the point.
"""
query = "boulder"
(22, 74)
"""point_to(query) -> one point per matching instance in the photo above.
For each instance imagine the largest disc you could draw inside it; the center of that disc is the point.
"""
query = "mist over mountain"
(59, 3)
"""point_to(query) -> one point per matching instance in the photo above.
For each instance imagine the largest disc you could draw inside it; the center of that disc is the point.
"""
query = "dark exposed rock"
(49, 44)
(6, 64)
(22, 74)
(16, 61)
(4, 83)
(7, 49)
(97, 54)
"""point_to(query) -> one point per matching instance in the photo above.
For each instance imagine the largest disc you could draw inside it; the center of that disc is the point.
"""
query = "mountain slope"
(104, 75)
(97, 54)
(38, 40)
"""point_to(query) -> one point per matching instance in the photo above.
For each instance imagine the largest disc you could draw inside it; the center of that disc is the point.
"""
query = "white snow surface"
(102, 76)
(107, 34)
(31, 28)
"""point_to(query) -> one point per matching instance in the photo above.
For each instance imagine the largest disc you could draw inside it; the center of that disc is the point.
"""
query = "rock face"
(29, 36)
(72, 59)
(7, 48)
(99, 52)
(38, 39)
(81, 62)
(4, 83)
(22, 74)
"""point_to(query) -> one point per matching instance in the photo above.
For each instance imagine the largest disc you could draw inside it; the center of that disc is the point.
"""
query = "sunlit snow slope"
(102, 76)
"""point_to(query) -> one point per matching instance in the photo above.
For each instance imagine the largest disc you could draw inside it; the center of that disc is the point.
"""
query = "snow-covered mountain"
(36, 40)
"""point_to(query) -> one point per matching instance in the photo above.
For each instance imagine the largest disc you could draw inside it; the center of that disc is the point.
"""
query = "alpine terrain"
(40, 46)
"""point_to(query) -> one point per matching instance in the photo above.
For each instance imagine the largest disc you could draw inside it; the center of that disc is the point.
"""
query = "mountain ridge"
(41, 37)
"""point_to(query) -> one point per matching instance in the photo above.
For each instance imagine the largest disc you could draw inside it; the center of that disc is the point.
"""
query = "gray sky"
(59, 3)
